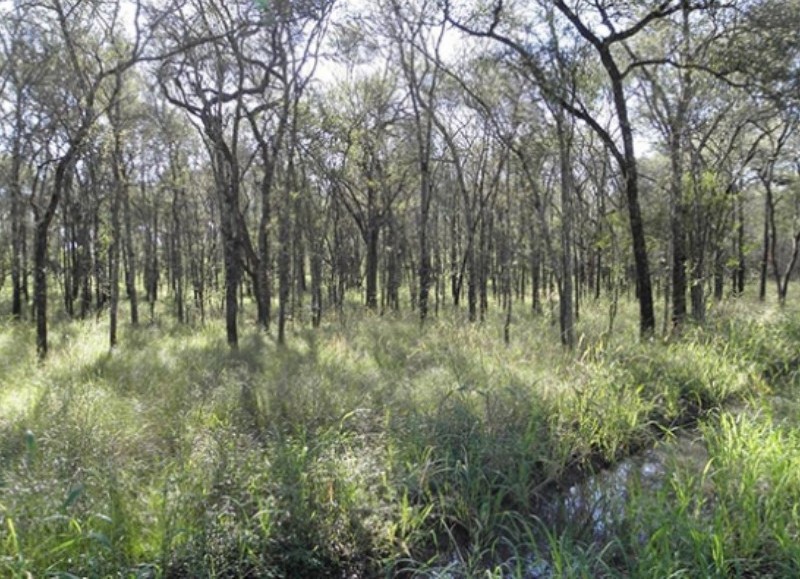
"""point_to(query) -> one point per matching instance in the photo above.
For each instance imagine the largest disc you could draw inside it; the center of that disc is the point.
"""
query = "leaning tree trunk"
(644, 290)
(40, 238)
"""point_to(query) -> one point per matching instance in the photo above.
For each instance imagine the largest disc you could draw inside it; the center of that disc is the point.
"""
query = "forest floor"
(373, 448)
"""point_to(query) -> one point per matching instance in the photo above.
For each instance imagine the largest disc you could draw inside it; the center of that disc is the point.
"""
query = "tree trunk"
(18, 230)
(765, 255)
(116, 233)
(740, 271)
(644, 291)
(40, 286)
(69, 261)
(372, 239)
(629, 169)
(316, 278)
(18, 234)
(113, 258)
(719, 274)
(130, 270)
(285, 254)
(262, 282)
(177, 256)
(678, 234)
(284, 269)
(424, 247)
(299, 286)
(394, 273)
(566, 311)
(697, 291)
(43, 221)
(472, 282)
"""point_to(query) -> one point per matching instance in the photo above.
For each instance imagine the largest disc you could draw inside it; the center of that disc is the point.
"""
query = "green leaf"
(100, 538)
(74, 494)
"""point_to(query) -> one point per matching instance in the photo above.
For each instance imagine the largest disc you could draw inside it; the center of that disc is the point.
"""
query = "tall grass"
(376, 448)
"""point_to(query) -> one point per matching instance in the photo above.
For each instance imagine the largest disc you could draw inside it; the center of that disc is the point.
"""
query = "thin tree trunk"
(130, 270)
(177, 257)
(678, 237)
(43, 220)
(566, 311)
(372, 239)
(18, 230)
(765, 249)
(116, 229)
(740, 271)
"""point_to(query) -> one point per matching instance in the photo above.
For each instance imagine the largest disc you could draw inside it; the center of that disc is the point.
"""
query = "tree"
(779, 172)
(670, 93)
(84, 51)
(620, 25)
(242, 64)
(364, 147)
(24, 67)
(410, 31)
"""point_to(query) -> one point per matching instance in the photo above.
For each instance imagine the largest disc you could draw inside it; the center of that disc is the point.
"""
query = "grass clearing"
(374, 448)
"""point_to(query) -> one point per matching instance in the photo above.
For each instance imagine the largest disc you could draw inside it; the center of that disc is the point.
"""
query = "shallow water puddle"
(596, 505)
(599, 502)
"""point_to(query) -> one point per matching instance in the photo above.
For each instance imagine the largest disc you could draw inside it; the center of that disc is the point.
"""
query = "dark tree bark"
(151, 266)
(43, 218)
(770, 239)
(422, 79)
(227, 189)
(89, 77)
(119, 182)
(625, 156)
(373, 234)
(315, 236)
(130, 258)
(285, 251)
(740, 271)
(18, 229)
(765, 248)
(269, 148)
(566, 311)
(176, 261)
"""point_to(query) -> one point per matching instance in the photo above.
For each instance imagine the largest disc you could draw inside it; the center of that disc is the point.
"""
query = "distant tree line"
(429, 154)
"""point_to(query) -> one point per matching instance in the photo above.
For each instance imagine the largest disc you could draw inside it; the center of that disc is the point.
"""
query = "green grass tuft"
(377, 448)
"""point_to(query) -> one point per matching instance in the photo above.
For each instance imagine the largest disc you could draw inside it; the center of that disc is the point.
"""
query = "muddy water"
(597, 505)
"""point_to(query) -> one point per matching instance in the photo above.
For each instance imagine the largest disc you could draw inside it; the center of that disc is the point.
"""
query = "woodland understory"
(368, 447)
(432, 288)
